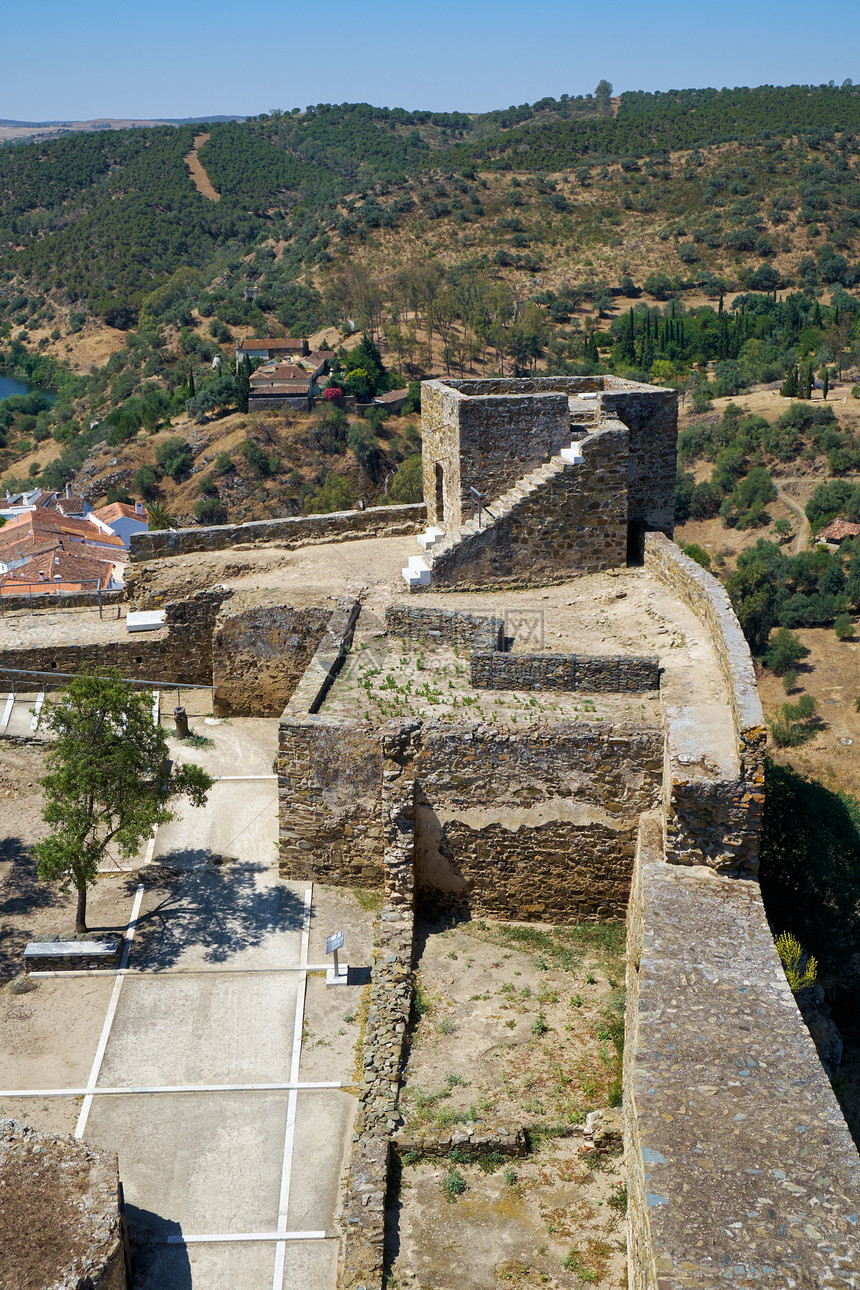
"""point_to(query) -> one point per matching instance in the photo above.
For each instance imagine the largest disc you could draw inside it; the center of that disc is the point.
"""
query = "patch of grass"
(454, 1186)
(539, 1026)
(574, 1262)
(618, 1198)
(368, 899)
(197, 741)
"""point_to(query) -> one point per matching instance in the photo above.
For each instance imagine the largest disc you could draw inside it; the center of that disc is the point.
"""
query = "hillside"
(649, 235)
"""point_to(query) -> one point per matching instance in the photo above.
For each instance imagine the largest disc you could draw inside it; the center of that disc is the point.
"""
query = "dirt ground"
(831, 674)
(201, 180)
(519, 1026)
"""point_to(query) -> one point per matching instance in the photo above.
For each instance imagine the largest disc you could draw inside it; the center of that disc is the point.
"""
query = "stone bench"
(64, 956)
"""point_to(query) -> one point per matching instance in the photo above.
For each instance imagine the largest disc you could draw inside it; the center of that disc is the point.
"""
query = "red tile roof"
(288, 346)
(40, 523)
(74, 570)
(838, 531)
(278, 372)
(118, 511)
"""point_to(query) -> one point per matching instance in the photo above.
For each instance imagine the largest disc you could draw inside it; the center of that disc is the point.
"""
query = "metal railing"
(17, 677)
(55, 597)
(475, 496)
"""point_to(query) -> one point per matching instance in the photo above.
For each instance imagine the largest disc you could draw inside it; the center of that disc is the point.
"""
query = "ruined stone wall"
(259, 654)
(534, 825)
(740, 1167)
(179, 651)
(574, 521)
(452, 627)
(52, 601)
(651, 416)
(598, 673)
(711, 819)
(290, 532)
(440, 446)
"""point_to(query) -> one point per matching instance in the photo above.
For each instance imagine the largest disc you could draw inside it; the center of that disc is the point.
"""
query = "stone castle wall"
(538, 825)
(710, 818)
(574, 522)
(488, 434)
(740, 1167)
(290, 532)
(74, 1206)
(179, 651)
(259, 655)
(597, 673)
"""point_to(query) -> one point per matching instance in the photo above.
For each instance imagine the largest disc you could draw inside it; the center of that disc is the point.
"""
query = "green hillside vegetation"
(563, 236)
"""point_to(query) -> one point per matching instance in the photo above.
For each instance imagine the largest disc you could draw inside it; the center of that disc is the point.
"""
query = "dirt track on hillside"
(202, 182)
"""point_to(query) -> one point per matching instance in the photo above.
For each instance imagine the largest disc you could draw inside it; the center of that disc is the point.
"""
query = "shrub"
(789, 680)
(790, 953)
(258, 460)
(336, 493)
(844, 627)
(210, 511)
(175, 457)
(224, 463)
(454, 1185)
(143, 481)
(407, 484)
(784, 650)
(697, 553)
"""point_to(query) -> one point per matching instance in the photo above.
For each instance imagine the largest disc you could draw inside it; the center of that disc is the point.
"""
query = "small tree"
(790, 388)
(107, 785)
(790, 953)
(783, 651)
(160, 517)
(844, 627)
(824, 377)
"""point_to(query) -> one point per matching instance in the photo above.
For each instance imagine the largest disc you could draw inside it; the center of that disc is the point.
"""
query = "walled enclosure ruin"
(429, 747)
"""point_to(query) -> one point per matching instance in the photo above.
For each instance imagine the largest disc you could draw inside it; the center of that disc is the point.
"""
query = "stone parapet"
(54, 600)
(289, 532)
(564, 518)
(713, 817)
(61, 1219)
(740, 1167)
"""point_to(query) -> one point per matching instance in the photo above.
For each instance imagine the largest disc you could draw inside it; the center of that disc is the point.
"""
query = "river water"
(8, 387)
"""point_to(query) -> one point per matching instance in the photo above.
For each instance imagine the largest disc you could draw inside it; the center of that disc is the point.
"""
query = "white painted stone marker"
(339, 974)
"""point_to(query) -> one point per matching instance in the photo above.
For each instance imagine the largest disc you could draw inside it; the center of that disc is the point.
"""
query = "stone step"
(417, 572)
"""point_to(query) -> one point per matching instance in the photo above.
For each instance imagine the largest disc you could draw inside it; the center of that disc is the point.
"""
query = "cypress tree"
(790, 386)
(191, 387)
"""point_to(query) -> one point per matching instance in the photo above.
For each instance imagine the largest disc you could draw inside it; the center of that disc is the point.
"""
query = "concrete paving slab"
(218, 1028)
(209, 916)
(328, 1051)
(210, 1162)
(310, 1265)
(240, 745)
(213, 1267)
(238, 822)
(323, 1136)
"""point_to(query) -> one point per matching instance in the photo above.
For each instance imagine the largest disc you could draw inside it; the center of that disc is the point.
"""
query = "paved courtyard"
(217, 1072)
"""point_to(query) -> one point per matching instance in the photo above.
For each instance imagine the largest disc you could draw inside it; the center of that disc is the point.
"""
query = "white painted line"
(37, 711)
(292, 1097)
(7, 712)
(284, 1086)
(249, 1236)
(111, 1013)
(154, 975)
(231, 779)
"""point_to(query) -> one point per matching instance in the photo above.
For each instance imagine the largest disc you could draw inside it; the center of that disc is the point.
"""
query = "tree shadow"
(155, 1265)
(217, 906)
(23, 894)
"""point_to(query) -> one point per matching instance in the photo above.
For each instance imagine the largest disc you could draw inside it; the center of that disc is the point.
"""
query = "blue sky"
(189, 58)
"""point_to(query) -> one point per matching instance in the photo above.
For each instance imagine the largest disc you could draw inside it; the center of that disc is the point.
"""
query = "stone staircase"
(436, 545)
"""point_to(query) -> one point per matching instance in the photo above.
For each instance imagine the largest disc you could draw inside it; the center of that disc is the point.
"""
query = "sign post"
(339, 974)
